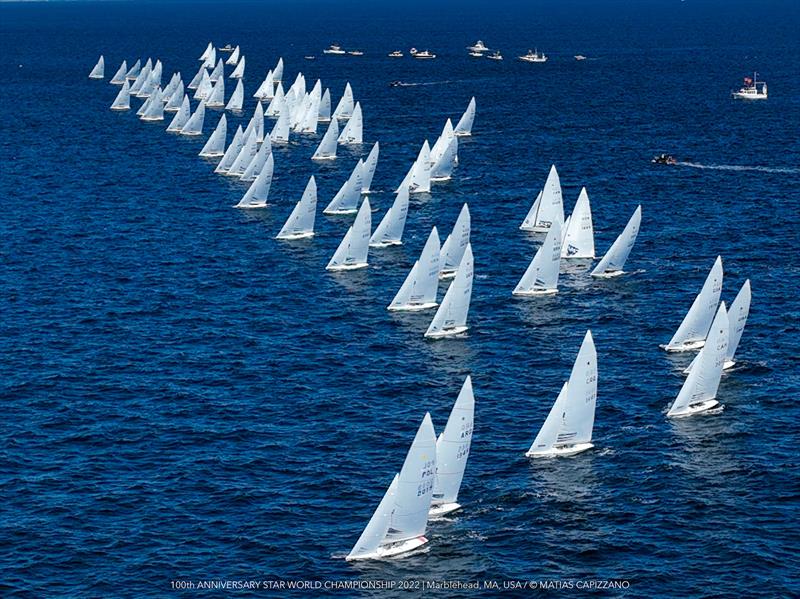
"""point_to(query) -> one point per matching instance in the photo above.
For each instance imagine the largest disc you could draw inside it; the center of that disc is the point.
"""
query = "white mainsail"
(699, 390)
(452, 451)
(353, 132)
(300, 223)
(370, 164)
(176, 98)
(266, 91)
(464, 126)
(277, 72)
(238, 72)
(418, 291)
(134, 71)
(568, 427)
(204, 88)
(259, 160)
(194, 126)
(310, 120)
(201, 74)
(141, 79)
(455, 244)
(280, 131)
(207, 52)
(325, 107)
(353, 251)
(390, 230)
(451, 317)
(234, 57)
(218, 72)
(237, 98)
(119, 76)
(258, 193)
(246, 154)
(344, 109)
(691, 333)
(215, 145)
(541, 277)
(123, 99)
(232, 152)
(612, 263)
(346, 199)
(549, 206)
(442, 142)
(277, 105)
(327, 147)
(442, 170)
(216, 99)
(155, 111)
(578, 235)
(181, 117)
(98, 71)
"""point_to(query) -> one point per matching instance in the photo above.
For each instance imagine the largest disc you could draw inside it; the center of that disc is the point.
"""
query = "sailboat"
(344, 109)
(353, 132)
(238, 72)
(452, 451)
(278, 103)
(300, 223)
(454, 246)
(612, 263)
(418, 291)
(134, 71)
(737, 318)
(181, 117)
(257, 163)
(204, 88)
(232, 152)
(246, 154)
(123, 99)
(541, 277)
(699, 390)
(155, 111)
(310, 119)
(215, 145)
(464, 126)
(258, 121)
(237, 98)
(327, 147)
(194, 126)
(195, 81)
(119, 76)
(418, 178)
(548, 207)
(370, 164)
(325, 107)
(567, 430)
(691, 333)
(451, 317)
(98, 71)
(443, 140)
(280, 131)
(218, 72)
(346, 199)
(442, 170)
(353, 250)
(400, 521)
(578, 234)
(216, 99)
(209, 49)
(258, 193)
(176, 98)
(141, 79)
(390, 230)
(277, 72)
(234, 57)
(266, 90)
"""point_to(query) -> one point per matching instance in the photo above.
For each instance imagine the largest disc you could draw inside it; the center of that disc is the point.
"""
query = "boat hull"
(562, 451)
(340, 212)
(442, 509)
(609, 274)
(696, 408)
(342, 267)
(293, 236)
(412, 307)
(534, 292)
(689, 346)
(447, 332)
(393, 550)
(385, 244)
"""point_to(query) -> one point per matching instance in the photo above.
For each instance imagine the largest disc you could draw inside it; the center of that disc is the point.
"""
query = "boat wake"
(410, 84)
(733, 167)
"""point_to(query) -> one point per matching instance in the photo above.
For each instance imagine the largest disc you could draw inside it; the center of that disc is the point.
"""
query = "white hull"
(741, 96)
(446, 332)
(697, 408)
(339, 212)
(322, 157)
(463, 134)
(120, 108)
(192, 134)
(440, 179)
(347, 266)
(688, 346)
(447, 274)
(293, 236)
(443, 508)
(728, 365)
(609, 274)
(385, 244)
(535, 292)
(211, 154)
(152, 118)
(250, 207)
(412, 307)
(562, 451)
(392, 550)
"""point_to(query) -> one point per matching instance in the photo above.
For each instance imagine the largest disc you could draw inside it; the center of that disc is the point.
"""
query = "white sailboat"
(218, 72)
(155, 112)
(568, 428)
(176, 98)
(464, 126)
(259, 160)
(181, 117)
(238, 72)
(390, 230)
(201, 73)
(452, 451)
(141, 79)
(216, 99)
(344, 109)
(327, 147)
(325, 107)
(123, 99)
(418, 178)
(308, 123)
(442, 142)
(300, 223)
(99, 69)
(699, 390)
(234, 57)
(400, 521)
(370, 164)
(353, 132)
(418, 291)
(541, 277)
(578, 234)
(194, 126)
(204, 88)
(232, 152)
(246, 154)
(455, 245)
(442, 170)
(612, 263)
(134, 71)
(211, 59)
(280, 131)
(145, 106)
(451, 317)
(215, 145)
(353, 251)
(237, 98)
(277, 72)
(278, 103)
(346, 199)
(209, 49)
(258, 121)
(548, 207)
(691, 333)
(119, 76)
(266, 91)
(258, 193)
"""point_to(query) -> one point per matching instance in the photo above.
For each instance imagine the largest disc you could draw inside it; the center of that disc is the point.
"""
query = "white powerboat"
(424, 54)
(495, 56)
(533, 56)
(334, 49)
(753, 89)
(479, 47)
(396, 54)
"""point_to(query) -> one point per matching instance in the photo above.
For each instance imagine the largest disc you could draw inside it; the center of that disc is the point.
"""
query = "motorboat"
(534, 56)
(334, 49)
(356, 53)
(664, 159)
(310, 57)
(495, 56)
(479, 46)
(226, 48)
(580, 57)
(753, 89)
(476, 54)
(425, 54)
(396, 54)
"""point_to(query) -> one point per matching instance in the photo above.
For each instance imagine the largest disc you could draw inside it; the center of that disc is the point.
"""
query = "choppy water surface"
(186, 398)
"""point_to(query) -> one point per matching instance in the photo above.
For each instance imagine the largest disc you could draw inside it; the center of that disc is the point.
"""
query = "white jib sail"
(530, 218)
(215, 145)
(390, 229)
(134, 71)
(442, 142)
(119, 76)
(278, 103)
(277, 72)
(300, 223)
(353, 251)
(375, 532)
(693, 329)
(443, 168)
(98, 71)
(325, 107)
(344, 109)
(181, 117)
(258, 193)
(579, 234)
(464, 126)
(194, 126)
(541, 277)
(456, 243)
(418, 291)
(280, 131)
(370, 164)
(123, 99)
(232, 152)
(614, 260)
(327, 147)
(237, 98)
(238, 72)
(234, 57)
(353, 132)
(258, 161)
(247, 153)
(346, 199)
(451, 317)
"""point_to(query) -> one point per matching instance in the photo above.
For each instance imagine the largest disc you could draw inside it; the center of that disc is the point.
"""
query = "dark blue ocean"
(185, 398)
